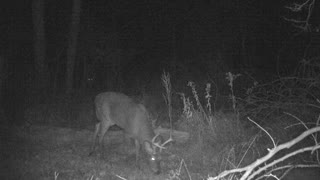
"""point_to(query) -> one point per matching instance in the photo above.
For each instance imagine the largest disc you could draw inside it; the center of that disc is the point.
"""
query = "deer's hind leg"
(103, 128)
(94, 141)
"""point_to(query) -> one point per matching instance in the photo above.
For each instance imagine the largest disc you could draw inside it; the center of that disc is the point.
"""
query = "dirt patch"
(45, 152)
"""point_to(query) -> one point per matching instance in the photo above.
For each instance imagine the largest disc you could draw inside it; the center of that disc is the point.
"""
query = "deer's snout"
(154, 164)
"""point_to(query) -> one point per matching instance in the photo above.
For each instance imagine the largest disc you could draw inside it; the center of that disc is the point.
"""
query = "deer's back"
(125, 113)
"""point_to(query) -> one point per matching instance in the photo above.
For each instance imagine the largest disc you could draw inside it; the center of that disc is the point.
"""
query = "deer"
(113, 108)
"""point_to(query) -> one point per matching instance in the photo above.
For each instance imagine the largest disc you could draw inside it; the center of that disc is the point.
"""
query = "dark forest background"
(63, 47)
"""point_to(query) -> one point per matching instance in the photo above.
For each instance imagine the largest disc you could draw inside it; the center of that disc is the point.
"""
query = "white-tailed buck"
(118, 109)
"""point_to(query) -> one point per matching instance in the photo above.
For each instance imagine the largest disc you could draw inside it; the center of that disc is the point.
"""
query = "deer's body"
(118, 109)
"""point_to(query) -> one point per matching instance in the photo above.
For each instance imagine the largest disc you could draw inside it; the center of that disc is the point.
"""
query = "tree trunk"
(39, 46)
(72, 44)
(3, 75)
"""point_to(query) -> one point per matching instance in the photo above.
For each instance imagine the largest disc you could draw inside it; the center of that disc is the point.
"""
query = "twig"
(274, 144)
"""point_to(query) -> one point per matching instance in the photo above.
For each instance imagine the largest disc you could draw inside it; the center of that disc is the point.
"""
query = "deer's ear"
(148, 147)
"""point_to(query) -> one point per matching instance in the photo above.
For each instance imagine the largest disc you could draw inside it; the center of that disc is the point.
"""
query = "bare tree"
(39, 45)
(305, 9)
(2, 74)
(2, 79)
(72, 44)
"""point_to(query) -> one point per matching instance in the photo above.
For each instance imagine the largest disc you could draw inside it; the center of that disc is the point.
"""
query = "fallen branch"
(249, 172)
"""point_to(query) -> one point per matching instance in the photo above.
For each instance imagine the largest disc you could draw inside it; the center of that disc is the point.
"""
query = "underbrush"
(237, 142)
(75, 111)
